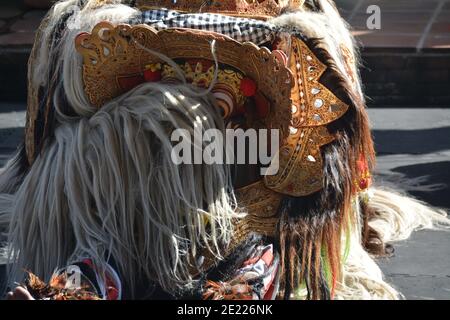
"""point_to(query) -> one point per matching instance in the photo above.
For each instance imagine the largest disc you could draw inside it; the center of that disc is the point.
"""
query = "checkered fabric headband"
(239, 29)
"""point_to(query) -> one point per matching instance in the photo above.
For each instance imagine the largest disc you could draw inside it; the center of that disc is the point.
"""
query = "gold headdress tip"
(248, 8)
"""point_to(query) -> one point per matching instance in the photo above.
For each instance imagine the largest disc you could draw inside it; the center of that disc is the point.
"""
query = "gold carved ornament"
(111, 53)
(313, 107)
(257, 9)
(300, 106)
(300, 160)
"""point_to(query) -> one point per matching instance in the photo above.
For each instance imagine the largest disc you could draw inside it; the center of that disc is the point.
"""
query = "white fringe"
(6, 203)
(107, 186)
(397, 216)
(362, 278)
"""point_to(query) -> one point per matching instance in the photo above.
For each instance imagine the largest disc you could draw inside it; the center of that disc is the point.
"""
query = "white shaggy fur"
(6, 202)
(107, 187)
(362, 279)
(397, 216)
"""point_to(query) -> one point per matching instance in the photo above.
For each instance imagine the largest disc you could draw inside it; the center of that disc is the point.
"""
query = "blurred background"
(406, 74)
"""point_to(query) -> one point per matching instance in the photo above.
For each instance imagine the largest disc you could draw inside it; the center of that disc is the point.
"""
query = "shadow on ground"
(412, 141)
(435, 173)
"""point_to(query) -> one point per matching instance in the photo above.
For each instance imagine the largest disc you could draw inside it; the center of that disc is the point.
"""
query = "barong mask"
(286, 65)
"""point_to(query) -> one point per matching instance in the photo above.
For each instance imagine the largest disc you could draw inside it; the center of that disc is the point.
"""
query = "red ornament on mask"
(248, 87)
(152, 76)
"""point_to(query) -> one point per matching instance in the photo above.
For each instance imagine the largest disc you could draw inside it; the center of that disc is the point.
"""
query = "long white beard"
(106, 186)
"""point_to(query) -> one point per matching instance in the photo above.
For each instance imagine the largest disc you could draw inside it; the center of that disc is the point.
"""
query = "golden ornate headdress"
(300, 106)
(116, 55)
(283, 81)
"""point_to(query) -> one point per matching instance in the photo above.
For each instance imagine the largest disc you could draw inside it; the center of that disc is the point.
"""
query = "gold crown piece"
(300, 106)
(247, 8)
(111, 53)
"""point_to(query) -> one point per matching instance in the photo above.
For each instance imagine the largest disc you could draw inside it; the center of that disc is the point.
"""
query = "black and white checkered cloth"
(239, 29)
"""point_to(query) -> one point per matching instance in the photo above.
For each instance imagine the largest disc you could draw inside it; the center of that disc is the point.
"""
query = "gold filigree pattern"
(313, 107)
(257, 200)
(315, 104)
(198, 76)
(226, 76)
(247, 8)
(301, 164)
(260, 205)
(301, 106)
(113, 51)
